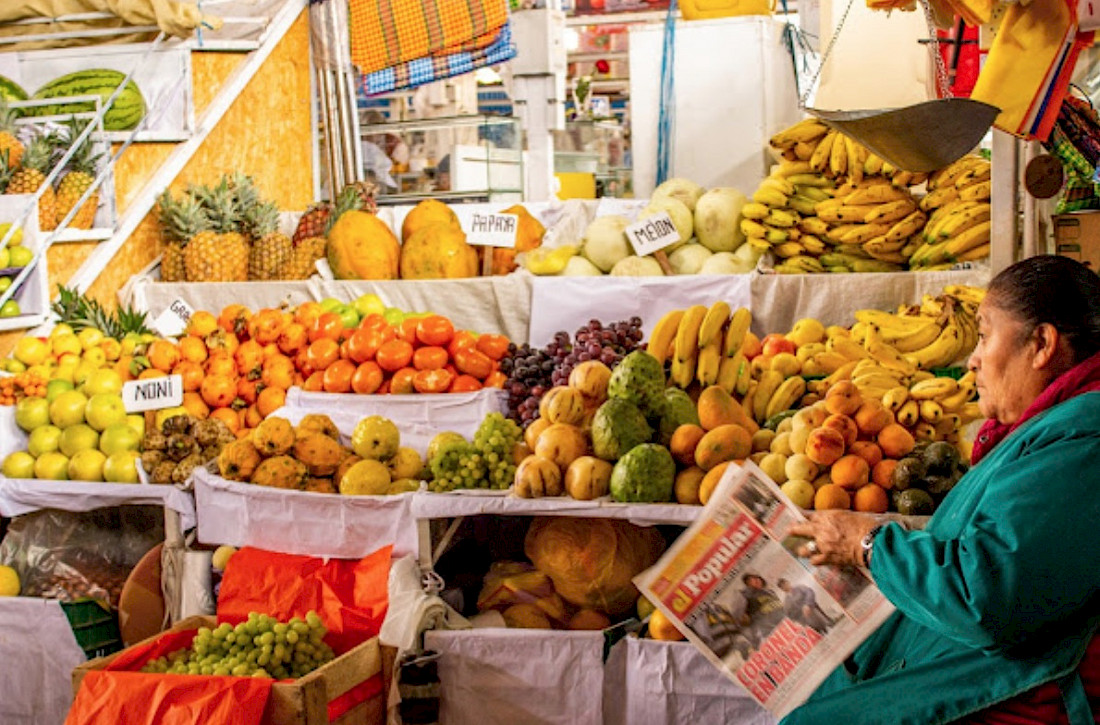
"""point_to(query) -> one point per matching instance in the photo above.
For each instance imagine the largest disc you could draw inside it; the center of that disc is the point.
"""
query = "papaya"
(361, 246)
(528, 236)
(437, 251)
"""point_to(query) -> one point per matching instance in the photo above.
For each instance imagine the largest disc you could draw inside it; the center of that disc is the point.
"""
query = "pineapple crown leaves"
(180, 219)
(39, 154)
(6, 170)
(348, 199)
(8, 116)
(80, 311)
(84, 159)
(261, 219)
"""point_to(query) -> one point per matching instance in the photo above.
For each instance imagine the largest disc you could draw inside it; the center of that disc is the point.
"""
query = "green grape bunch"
(486, 462)
(260, 646)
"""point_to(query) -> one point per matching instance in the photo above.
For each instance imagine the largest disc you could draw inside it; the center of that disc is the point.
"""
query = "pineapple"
(9, 141)
(270, 247)
(81, 173)
(80, 312)
(180, 220)
(307, 250)
(366, 191)
(313, 223)
(220, 253)
(37, 161)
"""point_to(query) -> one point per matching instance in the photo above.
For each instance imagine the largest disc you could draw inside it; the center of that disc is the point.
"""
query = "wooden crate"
(304, 701)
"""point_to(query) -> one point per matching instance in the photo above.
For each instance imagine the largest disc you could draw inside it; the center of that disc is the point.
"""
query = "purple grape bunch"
(532, 371)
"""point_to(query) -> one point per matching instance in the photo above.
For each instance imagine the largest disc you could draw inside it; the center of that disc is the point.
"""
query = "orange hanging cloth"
(385, 33)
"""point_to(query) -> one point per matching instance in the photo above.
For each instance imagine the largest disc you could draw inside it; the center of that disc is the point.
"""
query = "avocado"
(913, 502)
(908, 473)
(940, 458)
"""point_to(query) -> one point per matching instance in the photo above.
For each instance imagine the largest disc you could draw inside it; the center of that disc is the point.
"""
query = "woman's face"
(1006, 378)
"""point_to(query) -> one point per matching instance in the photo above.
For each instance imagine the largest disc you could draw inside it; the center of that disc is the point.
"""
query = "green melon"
(123, 115)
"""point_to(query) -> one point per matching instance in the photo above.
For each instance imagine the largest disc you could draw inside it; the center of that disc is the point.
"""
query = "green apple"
(5, 282)
(369, 304)
(44, 439)
(348, 316)
(394, 315)
(105, 409)
(5, 258)
(119, 437)
(104, 380)
(329, 304)
(18, 465)
(10, 309)
(67, 409)
(31, 413)
(57, 386)
(87, 465)
(19, 256)
(52, 466)
(79, 437)
(121, 467)
(137, 422)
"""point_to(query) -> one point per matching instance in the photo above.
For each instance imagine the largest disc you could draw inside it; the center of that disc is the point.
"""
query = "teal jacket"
(998, 594)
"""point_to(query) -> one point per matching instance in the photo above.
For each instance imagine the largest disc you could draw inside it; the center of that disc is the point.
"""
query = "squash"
(361, 246)
(438, 251)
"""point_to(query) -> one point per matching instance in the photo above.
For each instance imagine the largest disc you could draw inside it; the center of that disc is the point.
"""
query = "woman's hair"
(1055, 290)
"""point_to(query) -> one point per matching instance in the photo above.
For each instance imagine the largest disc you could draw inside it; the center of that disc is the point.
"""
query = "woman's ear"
(1048, 346)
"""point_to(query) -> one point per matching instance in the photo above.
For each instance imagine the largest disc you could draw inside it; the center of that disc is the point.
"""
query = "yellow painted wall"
(265, 133)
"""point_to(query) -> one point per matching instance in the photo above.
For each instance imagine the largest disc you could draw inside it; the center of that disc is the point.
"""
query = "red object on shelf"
(962, 59)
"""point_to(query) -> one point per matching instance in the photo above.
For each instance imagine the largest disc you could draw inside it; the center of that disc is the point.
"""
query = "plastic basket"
(95, 625)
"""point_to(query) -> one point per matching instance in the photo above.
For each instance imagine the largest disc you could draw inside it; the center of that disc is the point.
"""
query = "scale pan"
(919, 138)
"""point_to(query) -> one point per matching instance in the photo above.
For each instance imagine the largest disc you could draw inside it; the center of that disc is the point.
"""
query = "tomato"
(434, 330)
(337, 376)
(384, 388)
(293, 338)
(315, 383)
(322, 352)
(430, 358)
(496, 379)
(394, 355)
(363, 345)
(367, 378)
(472, 362)
(373, 321)
(307, 313)
(432, 381)
(461, 340)
(402, 381)
(407, 330)
(464, 384)
(494, 346)
(327, 324)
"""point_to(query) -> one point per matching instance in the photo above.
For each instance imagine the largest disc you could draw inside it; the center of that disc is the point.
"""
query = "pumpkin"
(361, 246)
(425, 214)
(528, 237)
(437, 251)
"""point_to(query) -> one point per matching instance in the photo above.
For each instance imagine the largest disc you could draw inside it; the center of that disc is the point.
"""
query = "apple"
(10, 309)
(44, 439)
(87, 465)
(5, 282)
(137, 422)
(119, 437)
(775, 343)
(20, 256)
(121, 467)
(31, 413)
(330, 304)
(369, 304)
(18, 465)
(56, 387)
(61, 329)
(52, 466)
(65, 344)
(393, 315)
(348, 316)
(5, 258)
(105, 409)
(67, 409)
(80, 437)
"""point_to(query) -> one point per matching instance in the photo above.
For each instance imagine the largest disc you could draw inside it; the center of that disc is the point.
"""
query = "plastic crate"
(95, 625)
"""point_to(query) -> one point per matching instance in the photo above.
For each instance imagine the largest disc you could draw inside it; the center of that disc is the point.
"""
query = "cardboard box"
(1078, 236)
(304, 701)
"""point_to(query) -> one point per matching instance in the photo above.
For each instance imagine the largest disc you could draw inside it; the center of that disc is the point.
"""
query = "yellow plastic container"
(706, 9)
(576, 185)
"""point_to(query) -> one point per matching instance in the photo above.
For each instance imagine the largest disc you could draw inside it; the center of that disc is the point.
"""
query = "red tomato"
(394, 355)
(337, 376)
(496, 379)
(402, 381)
(315, 382)
(462, 340)
(363, 345)
(327, 324)
(373, 321)
(434, 330)
(432, 381)
(322, 352)
(367, 378)
(384, 388)
(495, 346)
(472, 362)
(430, 358)
(407, 330)
(464, 384)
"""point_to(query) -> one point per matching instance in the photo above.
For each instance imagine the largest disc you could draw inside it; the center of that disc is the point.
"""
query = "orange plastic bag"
(349, 595)
(120, 694)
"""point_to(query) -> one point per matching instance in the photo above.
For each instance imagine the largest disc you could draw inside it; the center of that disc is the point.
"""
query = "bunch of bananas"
(934, 408)
(778, 217)
(701, 344)
(959, 227)
(880, 219)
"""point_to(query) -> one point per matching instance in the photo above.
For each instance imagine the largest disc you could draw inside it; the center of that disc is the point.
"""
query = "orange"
(193, 348)
(883, 473)
(202, 323)
(832, 496)
(850, 471)
(871, 499)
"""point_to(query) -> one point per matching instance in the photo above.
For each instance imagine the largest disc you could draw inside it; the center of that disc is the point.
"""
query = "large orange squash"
(426, 213)
(438, 251)
(361, 246)
(528, 236)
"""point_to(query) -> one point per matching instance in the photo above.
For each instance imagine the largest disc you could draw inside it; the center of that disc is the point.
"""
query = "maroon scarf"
(1082, 378)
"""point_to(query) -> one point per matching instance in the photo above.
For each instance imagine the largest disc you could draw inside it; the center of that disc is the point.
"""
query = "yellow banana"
(938, 198)
(682, 371)
(785, 396)
(814, 225)
(783, 186)
(891, 211)
(748, 400)
(930, 411)
(803, 150)
(844, 372)
(838, 156)
(857, 154)
(924, 431)
(938, 387)
(895, 397)
(808, 350)
(976, 174)
(687, 335)
(847, 347)
(790, 168)
(849, 214)
(710, 359)
(873, 165)
(864, 233)
(948, 424)
(829, 362)
(755, 210)
(736, 330)
(967, 293)
(975, 253)
(802, 204)
(781, 218)
(760, 244)
(888, 357)
(976, 192)
(808, 129)
(895, 257)
(812, 244)
(770, 380)
(959, 398)
(770, 196)
(753, 229)
(728, 370)
(875, 380)
(962, 220)
(788, 249)
(907, 227)
(881, 192)
(813, 179)
(663, 335)
(816, 193)
(744, 376)
(948, 175)
(975, 236)
(820, 159)
(805, 263)
(909, 413)
(711, 328)
(941, 216)
(919, 338)
(970, 412)
(941, 351)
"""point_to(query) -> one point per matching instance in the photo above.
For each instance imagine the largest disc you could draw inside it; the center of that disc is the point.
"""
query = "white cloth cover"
(39, 652)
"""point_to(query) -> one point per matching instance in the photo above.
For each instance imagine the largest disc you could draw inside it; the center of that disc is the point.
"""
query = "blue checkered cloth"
(413, 73)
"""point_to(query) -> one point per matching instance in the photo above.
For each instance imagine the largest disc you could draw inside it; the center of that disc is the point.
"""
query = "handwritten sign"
(173, 321)
(152, 393)
(490, 229)
(652, 233)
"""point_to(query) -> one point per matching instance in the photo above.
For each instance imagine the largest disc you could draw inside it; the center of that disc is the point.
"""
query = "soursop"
(645, 474)
(640, 380)
(679, 409)
(617, 427)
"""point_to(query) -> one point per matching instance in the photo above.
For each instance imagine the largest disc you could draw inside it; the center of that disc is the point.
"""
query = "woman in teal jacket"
(998, 598)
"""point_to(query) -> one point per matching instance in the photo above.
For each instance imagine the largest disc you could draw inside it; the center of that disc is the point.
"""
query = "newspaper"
(743, 591)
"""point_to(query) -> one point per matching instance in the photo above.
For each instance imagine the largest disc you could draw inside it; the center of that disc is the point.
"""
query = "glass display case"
(461, 158)
(602, 142)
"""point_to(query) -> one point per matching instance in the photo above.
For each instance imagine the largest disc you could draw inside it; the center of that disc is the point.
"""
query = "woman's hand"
(837, 536)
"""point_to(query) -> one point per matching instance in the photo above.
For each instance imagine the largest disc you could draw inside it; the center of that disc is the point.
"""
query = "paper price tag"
(652, 233)
(489, 229)
(152, 393)
(173, 321)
